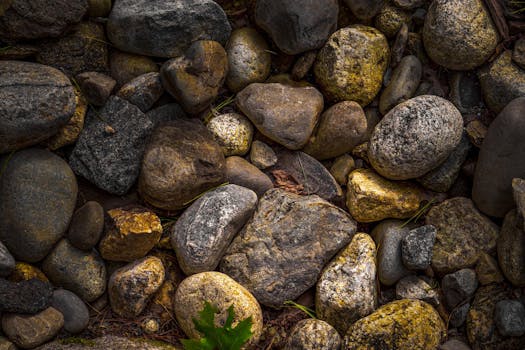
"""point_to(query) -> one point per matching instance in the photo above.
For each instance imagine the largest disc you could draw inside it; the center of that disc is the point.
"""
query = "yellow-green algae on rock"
(403, 324)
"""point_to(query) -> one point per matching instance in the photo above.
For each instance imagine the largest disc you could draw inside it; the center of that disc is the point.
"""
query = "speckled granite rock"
(313, 334)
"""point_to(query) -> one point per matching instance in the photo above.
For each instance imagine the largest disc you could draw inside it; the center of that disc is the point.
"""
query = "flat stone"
(96, 87)
(417, 247)
(25, 297)
(233, 132)
(487, 270)
(510, 318)
(511, 249)
(413, 287)
(86, 226)
(465, 92)
(262, 155)
(240, 172)
(7, 261)
(365, 9)
(459, 286)
(75, 312)
(126, 66)
(143, 91)
(313, 334)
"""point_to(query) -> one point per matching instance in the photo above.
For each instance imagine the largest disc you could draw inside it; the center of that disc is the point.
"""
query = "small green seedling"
(219, 338)
(311, 313)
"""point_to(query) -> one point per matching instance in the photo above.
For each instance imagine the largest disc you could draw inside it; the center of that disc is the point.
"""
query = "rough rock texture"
(233, 132)
(413, 287)
(25, 272)
(459, 34)
(297, 26)
(35, 101)
(241, 172)
(280, 252)
(38, 192)
(283, 113)
(75, 312)
(5, 344)
(462, 234)
(313, 334)
(415, 137)
(347, 289)
(96, 87)
(165, 28)
(459, 286)
(365, 9)
(262, 155)
(86, 226)
(166, 113)
(143, 91)
(487, 270)
(126, 66)
(510, 318)
(342, 167)
(109, 149)
(511, 249)
(109, 342)
(390, 20)
(518, 54)
(351, 65)
(500, 160)
(25, 297)
(7, 261)
(417, 247)
(465, 92)
(518, 191)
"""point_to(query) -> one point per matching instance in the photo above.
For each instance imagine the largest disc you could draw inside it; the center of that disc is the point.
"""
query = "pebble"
(262, 155)
(459, 286)
(313, 334)
(342, 167)
(86, 226)
(303, 65)
(511, 249)
(143, 91)
(390, 19)
(487, 270)
(365, 9)
(458, 316)
(96, 87)
(7, 261)
(75, 312)
(417, 247)
(25, 297)
(518, 54)
(413, 287)
(465, 92)
(240, 172)
(476, 131)
(166, 113)
(99, 8)
(110, 342)
(233, 132)
(126, 66)
(399, 46)
(510, 318)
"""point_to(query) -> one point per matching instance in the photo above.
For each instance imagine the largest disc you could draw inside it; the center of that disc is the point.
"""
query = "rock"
(402, 324)
(75, 312)
(511, 249)
(81, 272)
(233, 132)
(29, 331)
(476, 131)
(518, 54)
(166, 113)
(487, 270)
(303, 65)
(510, 318)
(107, 342)
(408, 4)
(313, 334)
(358, 79)
(501, 82)
(390, 19)
(413, 287)
(131, 287)
(388, 236)
(86, 226)
(5, 344)
(454, 344)
(241, 172)
(7, 261)
(294, 237)
(465, 92)
(25, 272)
(342, 167)
(25, 297)
(221, 292)
(340, 128)
(346, 289)
(109, 149)
(500, 161)
(285, 114)
(126, 66)
(143, 91)
(459, 286)
(35, 102)
(249, 59)
(204, 231)
(518, 192)
(365, 9)
(372, 198)
(399, 45)
(297, 26)
(195, 78)
(415, 137)
(99, 8)
(96, 87)
(181, 161)
(459, 34)
(30, 19)
(165, 28)
(33, 180)
(130, 234)
(403, 83)
(417, 247)
(262, 155)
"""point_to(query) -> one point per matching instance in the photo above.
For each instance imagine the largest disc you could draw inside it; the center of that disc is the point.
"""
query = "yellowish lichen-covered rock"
(371, 197)
(233, 132)
(351, 64)
(403, 324)
(24, 272)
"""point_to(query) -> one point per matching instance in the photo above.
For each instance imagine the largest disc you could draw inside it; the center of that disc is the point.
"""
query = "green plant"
(219, 338)
(215, 110)
(311, 313)
(419, 213)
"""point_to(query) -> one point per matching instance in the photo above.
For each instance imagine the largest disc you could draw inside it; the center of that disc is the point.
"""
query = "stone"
(510, 318)
(340, 128)
(233, 132)
(204, 231)
(75, 312)
(518, 192)
(30, 19)
(30, 331)
(143, 91)
(465, 92)
(181, 161)
(262, 155)
(408, 4)
(403, 83)
(511, 249)
(346, 290)
(25, 297)
(83, 273)
(99, 8)
(86, 226)
(33, 180)
(358, 79)
(518, 54)
(401, 324)
(365, 9)
(7, 261)
(96, 87)
(294, 237)
(249, 59)
(297, 26)
(166, 113)
(372, 198)
(126, 66)
(454, 344)
(303, 65)
(25, 272)
(221, 292)
(499, 161)
(165, 28)
(459, 34)
(240, 172)
(109, 149)
(458, 316)
(195, 78)
(35, 102)
(313, 334)
(476, 131)
(415, 137)
(400, 45)
(417, 247)
(131, 287)
(487, 270)
(5, 344)
(342, 167)
(283, 113)
(108, 342)
(390, 19)
(413, 287)
(459, 286)
(130, 234)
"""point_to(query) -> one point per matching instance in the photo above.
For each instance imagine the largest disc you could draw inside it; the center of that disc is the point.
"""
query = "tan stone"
(342, 167)
(233, 132)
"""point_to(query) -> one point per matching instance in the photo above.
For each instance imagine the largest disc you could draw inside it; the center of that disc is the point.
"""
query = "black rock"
(76, 313)
(86, 226)
(26, 297)
(459, 286)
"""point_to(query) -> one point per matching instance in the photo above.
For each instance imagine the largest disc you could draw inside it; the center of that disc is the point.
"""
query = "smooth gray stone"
(86, 226)
(76, 313)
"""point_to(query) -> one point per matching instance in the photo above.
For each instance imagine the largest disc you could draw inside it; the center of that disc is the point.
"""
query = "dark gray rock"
(143, 91)
(500, 160)
(86, 226)
(166, 113)
(75, 312)
(458, 316)
(465, 92)
(454, 344)
(280, 252)
(262, 155)
(36, 19)
(415, 137)
(313, 334)
(408, 4)
(110, 148)
(35, 102)
(297, 26)
(240, 172)
(7, 262)
(204, 231)
(413, 287)
(25, 297)
(510, 318)
(38, 192)
(365, 9)
(459, 286)
(417, 247)
(165, 28)
(96, 87)
(518, 191)
(511, 249)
